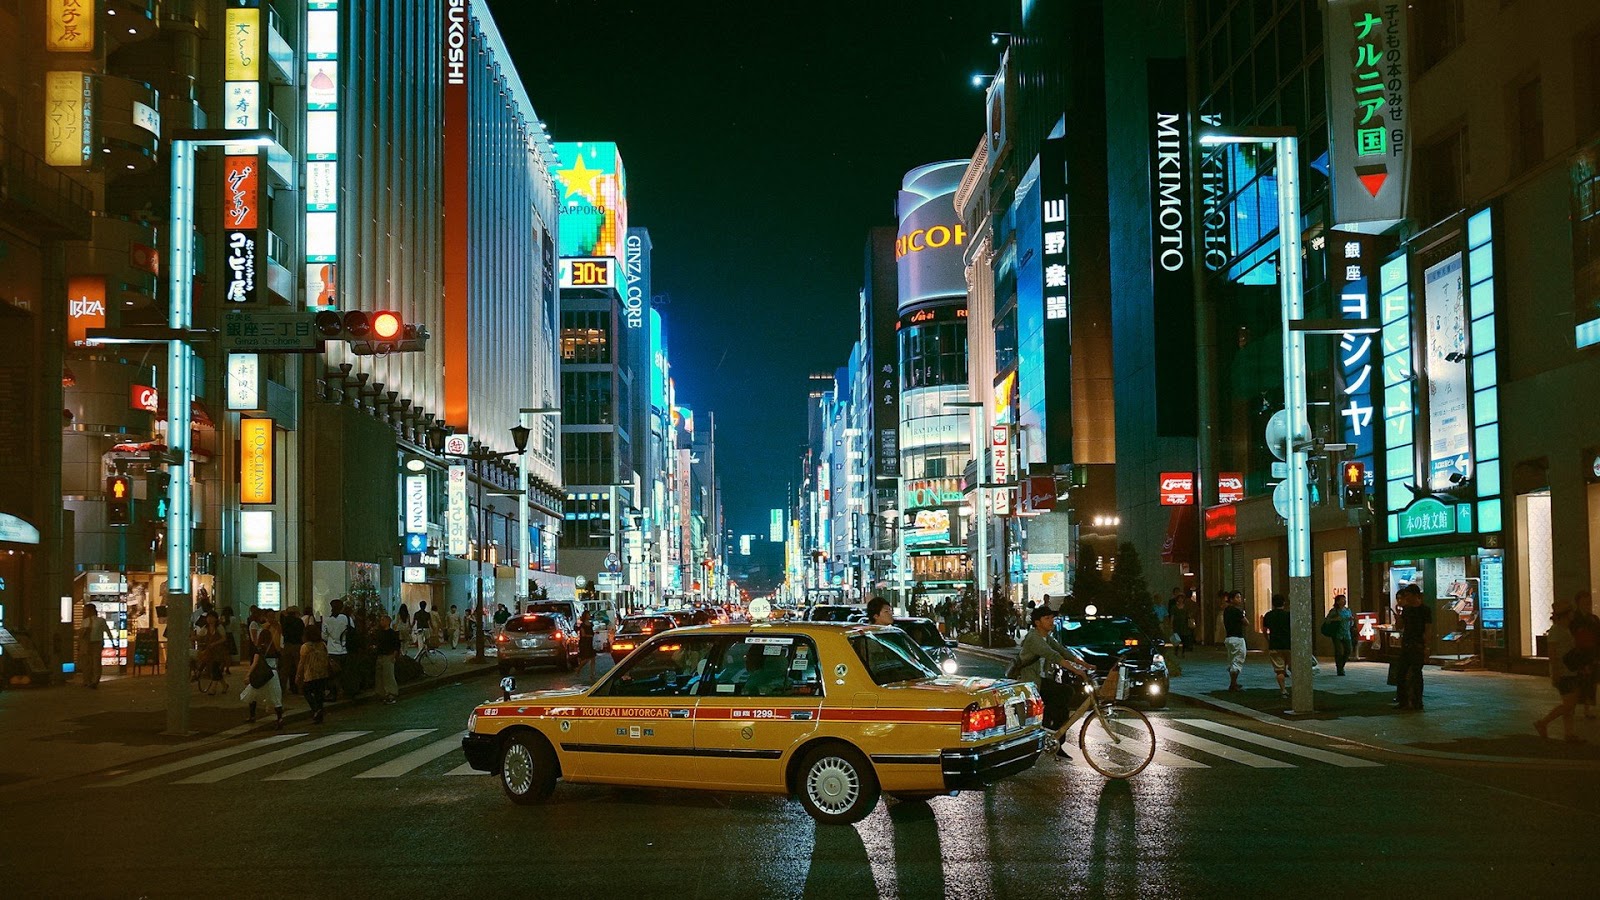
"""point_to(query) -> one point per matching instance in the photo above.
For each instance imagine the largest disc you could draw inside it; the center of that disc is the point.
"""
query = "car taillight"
(621, 645)
(502, 637)
(977, 721)
(1035, 708)
(557, 635)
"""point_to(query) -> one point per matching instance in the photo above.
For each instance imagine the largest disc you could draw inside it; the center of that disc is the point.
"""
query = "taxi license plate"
(1012, 720)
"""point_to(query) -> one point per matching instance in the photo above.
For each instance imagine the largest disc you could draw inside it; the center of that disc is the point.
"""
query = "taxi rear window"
(531, 623)
(889, 656)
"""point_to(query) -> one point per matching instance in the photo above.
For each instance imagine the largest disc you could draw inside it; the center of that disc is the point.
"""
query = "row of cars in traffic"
(548, 633)
(830, 709)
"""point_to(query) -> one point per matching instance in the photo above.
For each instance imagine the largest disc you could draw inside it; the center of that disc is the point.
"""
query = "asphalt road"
(374, 802)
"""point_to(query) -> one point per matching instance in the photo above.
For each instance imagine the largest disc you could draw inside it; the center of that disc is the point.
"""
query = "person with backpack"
(261, 682)
(1339, 627)
(1039, 646)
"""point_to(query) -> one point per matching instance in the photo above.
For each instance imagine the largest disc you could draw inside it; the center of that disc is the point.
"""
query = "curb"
(1383, 746)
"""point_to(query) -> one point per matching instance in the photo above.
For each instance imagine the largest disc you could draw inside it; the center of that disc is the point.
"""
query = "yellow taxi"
(832, 714)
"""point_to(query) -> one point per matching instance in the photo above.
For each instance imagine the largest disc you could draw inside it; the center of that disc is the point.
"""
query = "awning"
(198, 414)
(17, 530)
(1431, 551)
(1178, 547)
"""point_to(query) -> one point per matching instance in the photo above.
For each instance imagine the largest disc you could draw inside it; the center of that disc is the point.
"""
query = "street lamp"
(519, 434)
(980, 580)
(1291, 295)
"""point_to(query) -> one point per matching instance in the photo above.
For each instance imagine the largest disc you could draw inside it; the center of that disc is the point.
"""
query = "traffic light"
(156, 489)
(119, 496)
(381, 332)
(1353, 476)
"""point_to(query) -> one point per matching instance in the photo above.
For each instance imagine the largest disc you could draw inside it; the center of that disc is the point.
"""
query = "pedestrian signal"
(1353, 477)
(119, 496)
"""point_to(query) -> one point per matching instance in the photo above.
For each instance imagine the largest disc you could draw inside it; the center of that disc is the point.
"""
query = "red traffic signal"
(386, 325)
(1355, 474)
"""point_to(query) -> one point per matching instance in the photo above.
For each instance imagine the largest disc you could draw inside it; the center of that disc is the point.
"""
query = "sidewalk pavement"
(1480, 716)
(64, 730)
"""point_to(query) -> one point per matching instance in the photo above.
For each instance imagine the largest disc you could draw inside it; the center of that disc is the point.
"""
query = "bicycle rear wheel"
(1118, 742)
(433, 663)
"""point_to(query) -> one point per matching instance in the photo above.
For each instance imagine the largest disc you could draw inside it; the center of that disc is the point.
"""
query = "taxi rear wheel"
(837, 785)
(527, 769)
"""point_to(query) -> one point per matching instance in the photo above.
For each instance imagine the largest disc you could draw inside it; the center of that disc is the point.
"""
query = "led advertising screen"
(928, 244)
(1450, 449)
(593, 189)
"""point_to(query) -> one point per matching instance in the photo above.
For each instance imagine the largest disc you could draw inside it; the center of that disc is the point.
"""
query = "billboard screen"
(594, 208)
(928, 244)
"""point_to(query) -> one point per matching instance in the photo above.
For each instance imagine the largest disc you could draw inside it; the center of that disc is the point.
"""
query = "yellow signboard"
(68, 118)
(255, 460)
(242, 45)
(69, 26)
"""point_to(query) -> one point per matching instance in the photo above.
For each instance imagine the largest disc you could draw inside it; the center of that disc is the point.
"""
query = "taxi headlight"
(948, 667)
(472, 720)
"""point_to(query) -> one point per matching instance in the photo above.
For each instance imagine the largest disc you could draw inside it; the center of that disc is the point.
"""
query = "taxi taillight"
(1036, 708)
(978, 720)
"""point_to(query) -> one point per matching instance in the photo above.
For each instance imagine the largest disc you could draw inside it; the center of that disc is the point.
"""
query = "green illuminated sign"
(1430, 518)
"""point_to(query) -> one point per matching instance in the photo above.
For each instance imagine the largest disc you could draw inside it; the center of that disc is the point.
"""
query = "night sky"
(761, 140)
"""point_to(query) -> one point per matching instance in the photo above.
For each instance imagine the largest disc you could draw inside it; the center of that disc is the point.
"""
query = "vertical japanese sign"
(1057, 295)
(1000, 447)
(69, 26)
(1352, 268)
(68, 118)
(1445, 335)
(255, 460)
(241, 68)
(241, 195)
(244, 381)
(1368, 97)
(456, 161)
(322, 154)
(417, 504)
(456, 511)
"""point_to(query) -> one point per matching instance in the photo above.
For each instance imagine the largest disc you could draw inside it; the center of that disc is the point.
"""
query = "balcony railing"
(41, 193)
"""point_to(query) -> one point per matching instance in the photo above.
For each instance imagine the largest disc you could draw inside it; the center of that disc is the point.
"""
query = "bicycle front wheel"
(1117, 740)
(433, 663)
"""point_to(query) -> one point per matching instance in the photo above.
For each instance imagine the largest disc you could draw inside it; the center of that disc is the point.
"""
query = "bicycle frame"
(1091, 701)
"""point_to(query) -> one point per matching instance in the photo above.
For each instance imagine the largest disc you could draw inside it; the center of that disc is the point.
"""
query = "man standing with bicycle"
(1040, 646)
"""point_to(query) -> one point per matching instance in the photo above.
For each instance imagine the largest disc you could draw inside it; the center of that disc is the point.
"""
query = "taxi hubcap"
(833, 785)
(517, 768)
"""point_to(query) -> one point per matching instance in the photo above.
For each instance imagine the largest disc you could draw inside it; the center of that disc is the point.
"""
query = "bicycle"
(1117, 740)
(431, 659)
(205, 670)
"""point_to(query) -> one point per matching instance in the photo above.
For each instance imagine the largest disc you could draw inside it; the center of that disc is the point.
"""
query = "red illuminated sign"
(1367, 626)
(1177, 488)
(1230, 487)
(1222, 522)
(240, 194)
(143, 397)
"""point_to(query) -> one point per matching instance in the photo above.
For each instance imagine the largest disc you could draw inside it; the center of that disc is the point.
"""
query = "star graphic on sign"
(579, 179)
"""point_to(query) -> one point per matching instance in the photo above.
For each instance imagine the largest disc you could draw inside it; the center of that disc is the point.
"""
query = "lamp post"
(1291, 295)
(980, 431)
(436, 443)
(180, 372)
(525, 557)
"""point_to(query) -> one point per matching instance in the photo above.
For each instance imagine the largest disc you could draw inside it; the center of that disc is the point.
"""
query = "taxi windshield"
(924, 633)
(890, 656)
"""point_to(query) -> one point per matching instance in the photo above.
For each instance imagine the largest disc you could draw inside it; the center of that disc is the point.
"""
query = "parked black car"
(1105, 641)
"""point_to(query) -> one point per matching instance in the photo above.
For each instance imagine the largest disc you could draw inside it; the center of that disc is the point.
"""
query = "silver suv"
(535, 638)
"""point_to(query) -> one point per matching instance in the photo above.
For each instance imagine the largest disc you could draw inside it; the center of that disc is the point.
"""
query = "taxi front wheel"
(527, 769)
(837, 785)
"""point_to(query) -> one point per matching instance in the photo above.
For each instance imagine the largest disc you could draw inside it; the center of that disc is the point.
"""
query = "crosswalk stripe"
(267, 759)
(200, 760)
(1174, 761)
(1232, 754)
(466, 769)
(327, 764)
(1333, 759)
(394, 768)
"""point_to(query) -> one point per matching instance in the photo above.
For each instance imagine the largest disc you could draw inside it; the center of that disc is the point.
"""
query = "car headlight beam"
(948, 667)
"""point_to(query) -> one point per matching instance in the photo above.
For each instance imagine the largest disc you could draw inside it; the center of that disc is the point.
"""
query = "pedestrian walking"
(336, 629)
(422, 625)
(1234, 625)
(586, 651)
(501, 614)
(293, 629)
(452, 625)
(91, 642)
(312, 671)
(210, 647)
(1586, 636)
(386, 644)
(402, 621)
(1339, 627)
(1568, 665)
(1416, 633)
(262, 682)
(1183, 620)
(1276, 624)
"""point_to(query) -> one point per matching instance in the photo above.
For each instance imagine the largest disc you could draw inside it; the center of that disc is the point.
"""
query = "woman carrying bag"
(262, 682)
(313, 670)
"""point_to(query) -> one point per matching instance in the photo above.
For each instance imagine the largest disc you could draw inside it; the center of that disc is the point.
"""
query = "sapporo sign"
(1368, 98)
